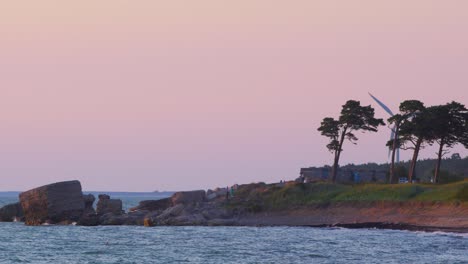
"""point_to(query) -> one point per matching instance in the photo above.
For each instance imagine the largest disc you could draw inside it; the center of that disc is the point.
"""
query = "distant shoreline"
(414, 207)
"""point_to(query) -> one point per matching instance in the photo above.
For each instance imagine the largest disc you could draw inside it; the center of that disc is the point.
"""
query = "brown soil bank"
(424, 216)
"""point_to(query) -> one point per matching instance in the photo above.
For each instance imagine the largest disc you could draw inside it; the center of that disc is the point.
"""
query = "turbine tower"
(392, 133)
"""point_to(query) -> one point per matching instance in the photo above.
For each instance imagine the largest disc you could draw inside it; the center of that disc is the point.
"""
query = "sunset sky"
(147, 95)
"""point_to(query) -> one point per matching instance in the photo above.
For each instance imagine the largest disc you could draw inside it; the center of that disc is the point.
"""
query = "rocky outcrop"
(89, 217)
(191, 197)
(89, 201)
(53, 203)
(105, 205)
(11, 212)
(153, 205)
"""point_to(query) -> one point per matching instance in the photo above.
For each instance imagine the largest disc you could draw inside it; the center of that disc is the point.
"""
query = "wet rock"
(11, 212)
(53, 203)
(153, 205)
(188, 197)
(106, 205)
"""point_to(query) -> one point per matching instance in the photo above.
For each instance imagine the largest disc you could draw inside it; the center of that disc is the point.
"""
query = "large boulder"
(11, 212)
(188, 197)
(153, 205)
(106, 205)
(53, 203)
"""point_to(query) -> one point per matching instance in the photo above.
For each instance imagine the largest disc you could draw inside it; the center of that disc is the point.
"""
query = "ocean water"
(131, 244)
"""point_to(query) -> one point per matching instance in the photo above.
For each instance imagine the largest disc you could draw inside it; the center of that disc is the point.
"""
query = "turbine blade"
(382, 105)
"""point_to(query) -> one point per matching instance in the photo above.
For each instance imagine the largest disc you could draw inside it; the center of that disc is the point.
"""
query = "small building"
(314, 174)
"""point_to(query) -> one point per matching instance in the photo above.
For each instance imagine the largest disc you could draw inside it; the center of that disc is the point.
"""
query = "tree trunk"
(439, 160)
(412, 171)
(394, 147)
(337, 156)
(335, 167)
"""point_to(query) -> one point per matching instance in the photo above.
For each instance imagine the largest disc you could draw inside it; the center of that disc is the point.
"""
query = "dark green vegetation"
(453, 169)
(414, 127)
(258, 197)
(353, 117)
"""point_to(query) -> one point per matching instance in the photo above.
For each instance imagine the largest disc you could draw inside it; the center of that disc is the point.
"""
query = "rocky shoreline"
(64, 203)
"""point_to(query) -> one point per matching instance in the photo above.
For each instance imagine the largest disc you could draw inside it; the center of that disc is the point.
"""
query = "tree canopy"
(448, 128)
(414, 127)
(353, 117)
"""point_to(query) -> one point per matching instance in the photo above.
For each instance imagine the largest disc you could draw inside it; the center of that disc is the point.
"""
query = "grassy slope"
(257, 197)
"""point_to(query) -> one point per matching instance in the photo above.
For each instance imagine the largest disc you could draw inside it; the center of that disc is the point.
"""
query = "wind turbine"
(392, 133)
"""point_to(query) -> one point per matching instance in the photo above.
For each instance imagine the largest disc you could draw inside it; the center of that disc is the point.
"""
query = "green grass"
(294, 195)
(381, 192)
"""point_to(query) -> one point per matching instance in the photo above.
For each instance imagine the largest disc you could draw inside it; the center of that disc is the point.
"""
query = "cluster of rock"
(64, 203)
(182, 208)
(59, 203)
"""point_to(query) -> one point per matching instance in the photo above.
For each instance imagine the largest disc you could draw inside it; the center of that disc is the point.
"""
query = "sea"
(135, 244)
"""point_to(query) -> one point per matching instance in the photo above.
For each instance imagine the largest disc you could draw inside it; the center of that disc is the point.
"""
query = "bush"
(447, 177)
(462, 195)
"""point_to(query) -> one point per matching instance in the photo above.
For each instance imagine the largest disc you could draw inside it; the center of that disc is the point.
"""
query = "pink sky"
(178, 95)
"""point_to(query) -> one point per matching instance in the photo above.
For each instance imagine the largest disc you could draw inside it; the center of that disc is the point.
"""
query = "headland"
(422, 207)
